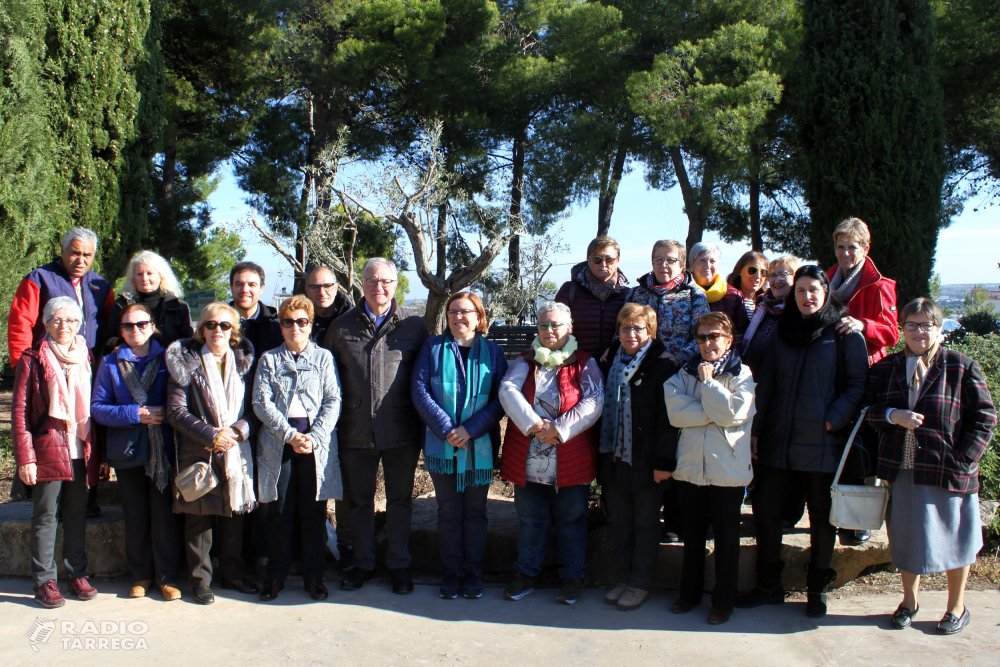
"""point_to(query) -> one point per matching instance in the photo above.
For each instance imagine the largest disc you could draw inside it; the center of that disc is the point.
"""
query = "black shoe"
(204, 595)
(768, 590)
(450, 586)
(355, 579)
(818, 590)
(518, 587)
(669, 537)
(271, 590)
(241, 585)
(853, 538)
(952, 624)
(402, 582)
(317, 590)
(903, 617)
(472, 586)
(346, 561)
(571, 591)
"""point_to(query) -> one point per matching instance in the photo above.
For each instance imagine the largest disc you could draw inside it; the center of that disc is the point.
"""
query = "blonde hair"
(853, 228)
(790, 262)
(210, 311)
(168, 281)
(297, 302)
(631, 312)
(671, 244)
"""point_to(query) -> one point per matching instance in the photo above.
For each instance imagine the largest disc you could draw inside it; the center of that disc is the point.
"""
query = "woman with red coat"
(703, 262)
(52, 447)
(553, 395)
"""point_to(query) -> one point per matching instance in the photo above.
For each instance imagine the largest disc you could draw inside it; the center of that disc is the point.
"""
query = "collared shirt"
(377, 319)
(256, 314)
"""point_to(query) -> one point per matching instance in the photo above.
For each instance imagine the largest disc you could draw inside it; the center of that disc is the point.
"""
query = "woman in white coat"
(711, 400)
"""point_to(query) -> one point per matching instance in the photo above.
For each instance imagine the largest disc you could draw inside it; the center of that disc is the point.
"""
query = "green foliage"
(976, 300)
(979, 322)
(986, 351)
(207, 268)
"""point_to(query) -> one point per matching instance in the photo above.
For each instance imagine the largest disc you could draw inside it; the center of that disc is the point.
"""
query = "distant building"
(994, 299)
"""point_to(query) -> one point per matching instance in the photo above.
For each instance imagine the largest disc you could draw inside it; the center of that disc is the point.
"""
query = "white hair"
(168, 281)
(375, 262)
(53, 306)
(79, 234)
(556, 307)
(702, 248)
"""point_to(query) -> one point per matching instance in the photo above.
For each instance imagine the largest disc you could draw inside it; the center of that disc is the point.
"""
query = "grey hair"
(702, 248)
(556, 307)
(53, 306)
(79, 234)
(375, 262)
(168, 281)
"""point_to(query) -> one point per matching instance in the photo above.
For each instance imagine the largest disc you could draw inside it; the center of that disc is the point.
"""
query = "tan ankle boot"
(170, 592)
(140, 588)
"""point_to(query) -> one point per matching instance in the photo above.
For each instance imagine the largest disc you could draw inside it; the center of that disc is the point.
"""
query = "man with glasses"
(375, 344)
(321, 289)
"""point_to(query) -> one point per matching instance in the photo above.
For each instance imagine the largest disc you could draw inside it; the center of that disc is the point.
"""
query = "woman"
(635, 450)
(712, 401)
(768, 308)
(703, 262)
(809, 387)
(675, 298)
(553, 395)
(935, 417)
(149, 281)
(297, 398)
(52, 447)
(456, 389)
(131, 394)
(749, 276)
(205, 408)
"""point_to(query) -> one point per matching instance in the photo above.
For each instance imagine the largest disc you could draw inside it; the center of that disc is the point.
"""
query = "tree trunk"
(697, 206)
(312, 186)
(516, 193)
(606, 201)
(434, 315)
(442, 241)
(756, 239)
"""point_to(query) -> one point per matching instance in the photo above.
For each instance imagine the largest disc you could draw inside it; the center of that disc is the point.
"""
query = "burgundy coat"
(593, 320)
(732, 305)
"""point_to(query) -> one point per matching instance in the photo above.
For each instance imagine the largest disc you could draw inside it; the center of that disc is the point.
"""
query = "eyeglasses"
(301, 322)
(459, 313)
(550, 326)
(704, 338)
(624, 331)
(603, 259)
(385, 282)
(131, 326)
(669, 261)
(779, 274)
(753, 270)
(326, 287)
(64, 322)
(211, 325)
(926, 327)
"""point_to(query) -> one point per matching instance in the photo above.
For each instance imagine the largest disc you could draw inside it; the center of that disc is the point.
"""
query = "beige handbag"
(196, 480)
(857, 507)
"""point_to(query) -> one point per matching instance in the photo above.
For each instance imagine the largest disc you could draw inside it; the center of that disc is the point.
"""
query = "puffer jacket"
(593, 320)
(715, 418)
(676, 313)
(874, 303)
(193, 428)
(375, 367)
(313, 376)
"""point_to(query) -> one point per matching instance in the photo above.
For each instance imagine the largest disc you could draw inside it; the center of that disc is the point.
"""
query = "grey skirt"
(930, 529)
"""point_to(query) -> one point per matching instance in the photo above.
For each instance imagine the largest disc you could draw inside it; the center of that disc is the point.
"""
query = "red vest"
(576, 459)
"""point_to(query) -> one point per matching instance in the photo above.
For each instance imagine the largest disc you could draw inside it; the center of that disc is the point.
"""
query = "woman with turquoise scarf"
(455, 387)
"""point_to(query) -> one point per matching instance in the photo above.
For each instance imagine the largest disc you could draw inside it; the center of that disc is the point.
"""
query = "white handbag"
(857, 507)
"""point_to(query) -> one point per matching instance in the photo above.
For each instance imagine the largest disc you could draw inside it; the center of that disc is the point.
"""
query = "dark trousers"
(635, 533)
(47, 497)
(671, 508)
(461, 524)
(720, 507)
(538, 507)
(296, 491)
(198, 545)
(152, 542)
(360, 466)
(770, 492)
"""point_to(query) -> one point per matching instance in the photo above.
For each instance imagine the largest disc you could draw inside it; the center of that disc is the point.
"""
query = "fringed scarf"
(616, 426)
(68, 374)
(157, 468)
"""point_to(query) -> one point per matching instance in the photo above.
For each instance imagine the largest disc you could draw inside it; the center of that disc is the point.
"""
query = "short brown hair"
(476, 302)
(748, 257)
(671, 244)
(210, 311)
(713, 319)
(631, 312)
(143, 309)
(297, 302)
(922, 306)
(854, 228)
(600, 243)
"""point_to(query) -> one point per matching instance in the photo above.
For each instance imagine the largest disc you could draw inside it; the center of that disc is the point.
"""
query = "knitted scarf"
(665, 287)
(844, 287)
(553, 358)
(717, 289)
(616, 426)
(68, 378)
(601, 290)
(157, 468)
(227, 394)
(441, 456)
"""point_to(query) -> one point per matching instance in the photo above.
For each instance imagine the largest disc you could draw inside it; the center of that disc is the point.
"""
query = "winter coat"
(41, 439)
(321, 324)
(264, 333)
(375, 367)
(111, 403)
(874, 303)
(797, 394)
(676, 313)
(194, 429)
(594, 321)
(313, 376)
(715, 418)
(732, 305)
(959, 418)
(172, 318)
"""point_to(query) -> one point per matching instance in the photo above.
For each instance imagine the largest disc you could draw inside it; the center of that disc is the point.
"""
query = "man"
(375, 345)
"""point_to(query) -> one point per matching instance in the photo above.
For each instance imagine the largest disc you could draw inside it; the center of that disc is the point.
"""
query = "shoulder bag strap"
(847, 447)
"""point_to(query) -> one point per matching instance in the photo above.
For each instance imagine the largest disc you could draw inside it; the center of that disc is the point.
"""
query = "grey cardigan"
(313, 375)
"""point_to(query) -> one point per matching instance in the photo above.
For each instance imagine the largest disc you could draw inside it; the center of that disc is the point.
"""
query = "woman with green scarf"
(455, 387)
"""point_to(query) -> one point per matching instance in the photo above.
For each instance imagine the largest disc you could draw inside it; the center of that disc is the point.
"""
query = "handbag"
(127, 446)
(857, 506)
(196, 480)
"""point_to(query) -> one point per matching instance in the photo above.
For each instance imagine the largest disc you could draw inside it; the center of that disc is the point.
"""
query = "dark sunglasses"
(753, 270)
(212, 324)
(704, 338)
(129, 326)
(302, 322)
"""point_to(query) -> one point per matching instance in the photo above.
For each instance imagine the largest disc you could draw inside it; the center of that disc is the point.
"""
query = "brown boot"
(170, 592)
(140, 588)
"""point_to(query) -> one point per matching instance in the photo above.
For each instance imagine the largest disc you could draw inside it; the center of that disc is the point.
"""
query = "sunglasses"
(316, 287)
(605, 259)
(704, 338)
(301, 322)
(131, 326)
(212, 325)
(754, 270)
(626, 330)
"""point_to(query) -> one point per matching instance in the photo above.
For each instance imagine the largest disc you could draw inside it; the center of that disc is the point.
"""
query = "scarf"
(440, 455)
(717, 289)
(665, 287)
(227, 394)
(68, 379)
(616, 426)
(729, 363)
(553, 358)
(844, 287)
(917, 366)
(157, 468)
(601, 290)
(799, 331)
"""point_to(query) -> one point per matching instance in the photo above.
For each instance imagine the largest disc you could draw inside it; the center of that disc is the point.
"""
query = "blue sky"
(968, 251)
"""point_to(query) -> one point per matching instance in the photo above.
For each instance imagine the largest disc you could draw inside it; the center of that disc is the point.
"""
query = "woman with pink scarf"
(52, 447)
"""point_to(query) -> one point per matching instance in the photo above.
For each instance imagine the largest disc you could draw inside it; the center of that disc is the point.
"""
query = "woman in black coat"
(809, 387)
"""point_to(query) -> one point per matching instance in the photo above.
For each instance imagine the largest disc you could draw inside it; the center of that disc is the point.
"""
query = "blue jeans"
(539, 506)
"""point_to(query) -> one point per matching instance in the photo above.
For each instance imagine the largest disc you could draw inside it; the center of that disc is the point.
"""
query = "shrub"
(986, 351)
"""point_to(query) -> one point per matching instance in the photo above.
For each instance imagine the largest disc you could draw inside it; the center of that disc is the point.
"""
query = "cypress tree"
(872, 131)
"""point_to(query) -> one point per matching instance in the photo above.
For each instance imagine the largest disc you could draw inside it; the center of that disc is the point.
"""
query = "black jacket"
(265, 334)
(320, 326)
(171, 315)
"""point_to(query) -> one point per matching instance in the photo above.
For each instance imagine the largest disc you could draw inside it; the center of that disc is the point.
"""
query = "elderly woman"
(149, 281)
(703, 262)
(553, 395)
(297, 398)
(130, 397)
(205, 408)
(456, 389)
(809, 388)
(52, 447)
(769, 308)
(712, 401)
(749, 276)
(935, 416)
(635, 450)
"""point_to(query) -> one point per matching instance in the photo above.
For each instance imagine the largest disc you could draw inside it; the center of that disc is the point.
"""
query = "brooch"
(638, 382)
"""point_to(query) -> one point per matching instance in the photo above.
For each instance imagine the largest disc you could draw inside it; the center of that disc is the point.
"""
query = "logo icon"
(40, 632)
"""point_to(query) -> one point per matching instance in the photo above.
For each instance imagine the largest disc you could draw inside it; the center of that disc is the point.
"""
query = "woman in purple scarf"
(769, 307)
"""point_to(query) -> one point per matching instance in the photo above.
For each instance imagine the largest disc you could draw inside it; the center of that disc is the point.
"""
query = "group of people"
(677, 395)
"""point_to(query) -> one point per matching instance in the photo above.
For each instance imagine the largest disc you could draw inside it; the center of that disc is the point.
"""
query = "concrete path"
(375, 627)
